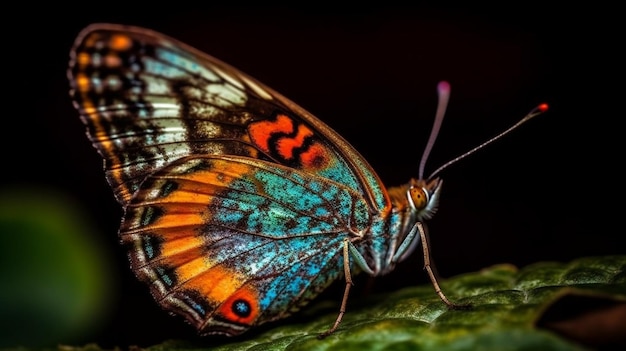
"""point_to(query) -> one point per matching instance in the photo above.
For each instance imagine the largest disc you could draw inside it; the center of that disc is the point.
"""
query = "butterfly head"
(423, 197)
(415, 201)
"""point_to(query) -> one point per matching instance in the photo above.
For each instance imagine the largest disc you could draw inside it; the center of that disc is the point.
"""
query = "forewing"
(148, 100)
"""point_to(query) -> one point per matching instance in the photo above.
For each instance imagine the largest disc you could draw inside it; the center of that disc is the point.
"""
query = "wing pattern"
(237, 201)
(148, 100)
(210, 232)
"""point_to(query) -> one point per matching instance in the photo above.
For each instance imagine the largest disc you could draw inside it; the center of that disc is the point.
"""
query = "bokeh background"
(549, 191)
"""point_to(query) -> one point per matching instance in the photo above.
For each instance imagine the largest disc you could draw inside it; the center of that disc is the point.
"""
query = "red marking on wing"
(316, 157)
(285, 146)
(261, 132)
(246, 294)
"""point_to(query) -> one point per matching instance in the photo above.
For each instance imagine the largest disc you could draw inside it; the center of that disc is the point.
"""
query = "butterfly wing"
(236, 199)
(148, 100)
(219, 245)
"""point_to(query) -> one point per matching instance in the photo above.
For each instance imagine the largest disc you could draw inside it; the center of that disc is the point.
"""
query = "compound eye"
(419, 197)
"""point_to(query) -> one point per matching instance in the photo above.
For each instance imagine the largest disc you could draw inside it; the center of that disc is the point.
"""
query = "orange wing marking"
(261, 132)
(84, 85)
(120, 42)
(285, 146)
(315, 157)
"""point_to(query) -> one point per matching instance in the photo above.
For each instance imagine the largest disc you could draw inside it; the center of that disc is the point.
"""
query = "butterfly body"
(240, 206)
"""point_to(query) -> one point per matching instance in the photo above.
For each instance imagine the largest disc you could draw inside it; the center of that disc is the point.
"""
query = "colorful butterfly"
(240, 206)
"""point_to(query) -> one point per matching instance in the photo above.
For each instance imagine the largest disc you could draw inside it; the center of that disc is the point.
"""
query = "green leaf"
(510, 310)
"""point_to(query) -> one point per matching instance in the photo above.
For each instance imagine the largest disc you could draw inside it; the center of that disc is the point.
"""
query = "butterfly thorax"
(414, 201)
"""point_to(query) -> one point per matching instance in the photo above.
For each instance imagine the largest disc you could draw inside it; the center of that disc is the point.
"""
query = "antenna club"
(543, 107)
(443, 87)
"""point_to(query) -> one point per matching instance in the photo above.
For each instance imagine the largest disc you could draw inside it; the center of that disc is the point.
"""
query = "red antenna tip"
(543, 107)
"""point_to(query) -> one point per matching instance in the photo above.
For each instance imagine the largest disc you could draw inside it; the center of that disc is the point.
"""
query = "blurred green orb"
(54, 278)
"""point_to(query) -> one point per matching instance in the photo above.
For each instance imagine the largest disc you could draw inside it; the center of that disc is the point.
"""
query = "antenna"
(443, 91)
(539, 109)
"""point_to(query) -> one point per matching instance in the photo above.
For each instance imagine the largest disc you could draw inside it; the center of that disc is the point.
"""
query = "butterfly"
(240, 206)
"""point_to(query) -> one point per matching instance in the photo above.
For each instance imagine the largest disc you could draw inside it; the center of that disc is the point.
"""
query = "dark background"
(549, 191)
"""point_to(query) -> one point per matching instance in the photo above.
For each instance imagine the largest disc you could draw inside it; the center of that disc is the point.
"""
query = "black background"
(549, 191)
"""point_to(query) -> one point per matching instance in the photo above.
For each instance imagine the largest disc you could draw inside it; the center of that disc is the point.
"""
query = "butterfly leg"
(348, 248)
(344, 301)
(428, 266)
